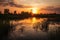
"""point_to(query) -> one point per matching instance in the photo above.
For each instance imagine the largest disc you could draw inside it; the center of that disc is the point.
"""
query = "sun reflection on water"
(33, 20)
(27, 23)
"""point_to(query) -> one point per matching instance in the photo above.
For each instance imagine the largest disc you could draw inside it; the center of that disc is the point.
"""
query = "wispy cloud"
(11, 3)
(51, 8)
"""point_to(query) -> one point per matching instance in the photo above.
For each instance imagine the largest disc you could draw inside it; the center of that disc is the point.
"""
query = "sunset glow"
(44, 6)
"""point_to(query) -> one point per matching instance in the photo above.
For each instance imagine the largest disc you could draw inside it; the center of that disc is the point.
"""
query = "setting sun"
(34, 10)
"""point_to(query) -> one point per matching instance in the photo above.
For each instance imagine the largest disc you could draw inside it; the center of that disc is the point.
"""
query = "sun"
(34, 10)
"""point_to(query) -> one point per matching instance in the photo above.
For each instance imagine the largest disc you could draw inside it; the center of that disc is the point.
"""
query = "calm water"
(33, 28)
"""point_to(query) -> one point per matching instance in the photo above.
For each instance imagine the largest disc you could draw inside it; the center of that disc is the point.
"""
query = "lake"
(30, 29)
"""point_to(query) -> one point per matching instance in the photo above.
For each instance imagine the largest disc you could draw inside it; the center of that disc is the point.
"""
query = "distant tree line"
(8, 15)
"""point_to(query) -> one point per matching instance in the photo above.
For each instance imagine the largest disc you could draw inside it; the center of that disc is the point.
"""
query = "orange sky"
(12, 9)
(43, 6)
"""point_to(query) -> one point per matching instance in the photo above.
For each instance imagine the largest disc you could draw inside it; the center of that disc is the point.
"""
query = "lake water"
(33, 29)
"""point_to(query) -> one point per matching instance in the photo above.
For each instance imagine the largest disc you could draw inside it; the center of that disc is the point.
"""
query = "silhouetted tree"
(15, 12)
(0, 12)
(6, 11)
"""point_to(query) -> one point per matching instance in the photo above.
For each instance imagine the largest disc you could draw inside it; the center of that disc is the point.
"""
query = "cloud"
(12, 4)
(1, 0)
(51, 8)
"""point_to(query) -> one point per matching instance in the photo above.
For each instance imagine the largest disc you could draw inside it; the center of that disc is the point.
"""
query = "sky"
(45, 6)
